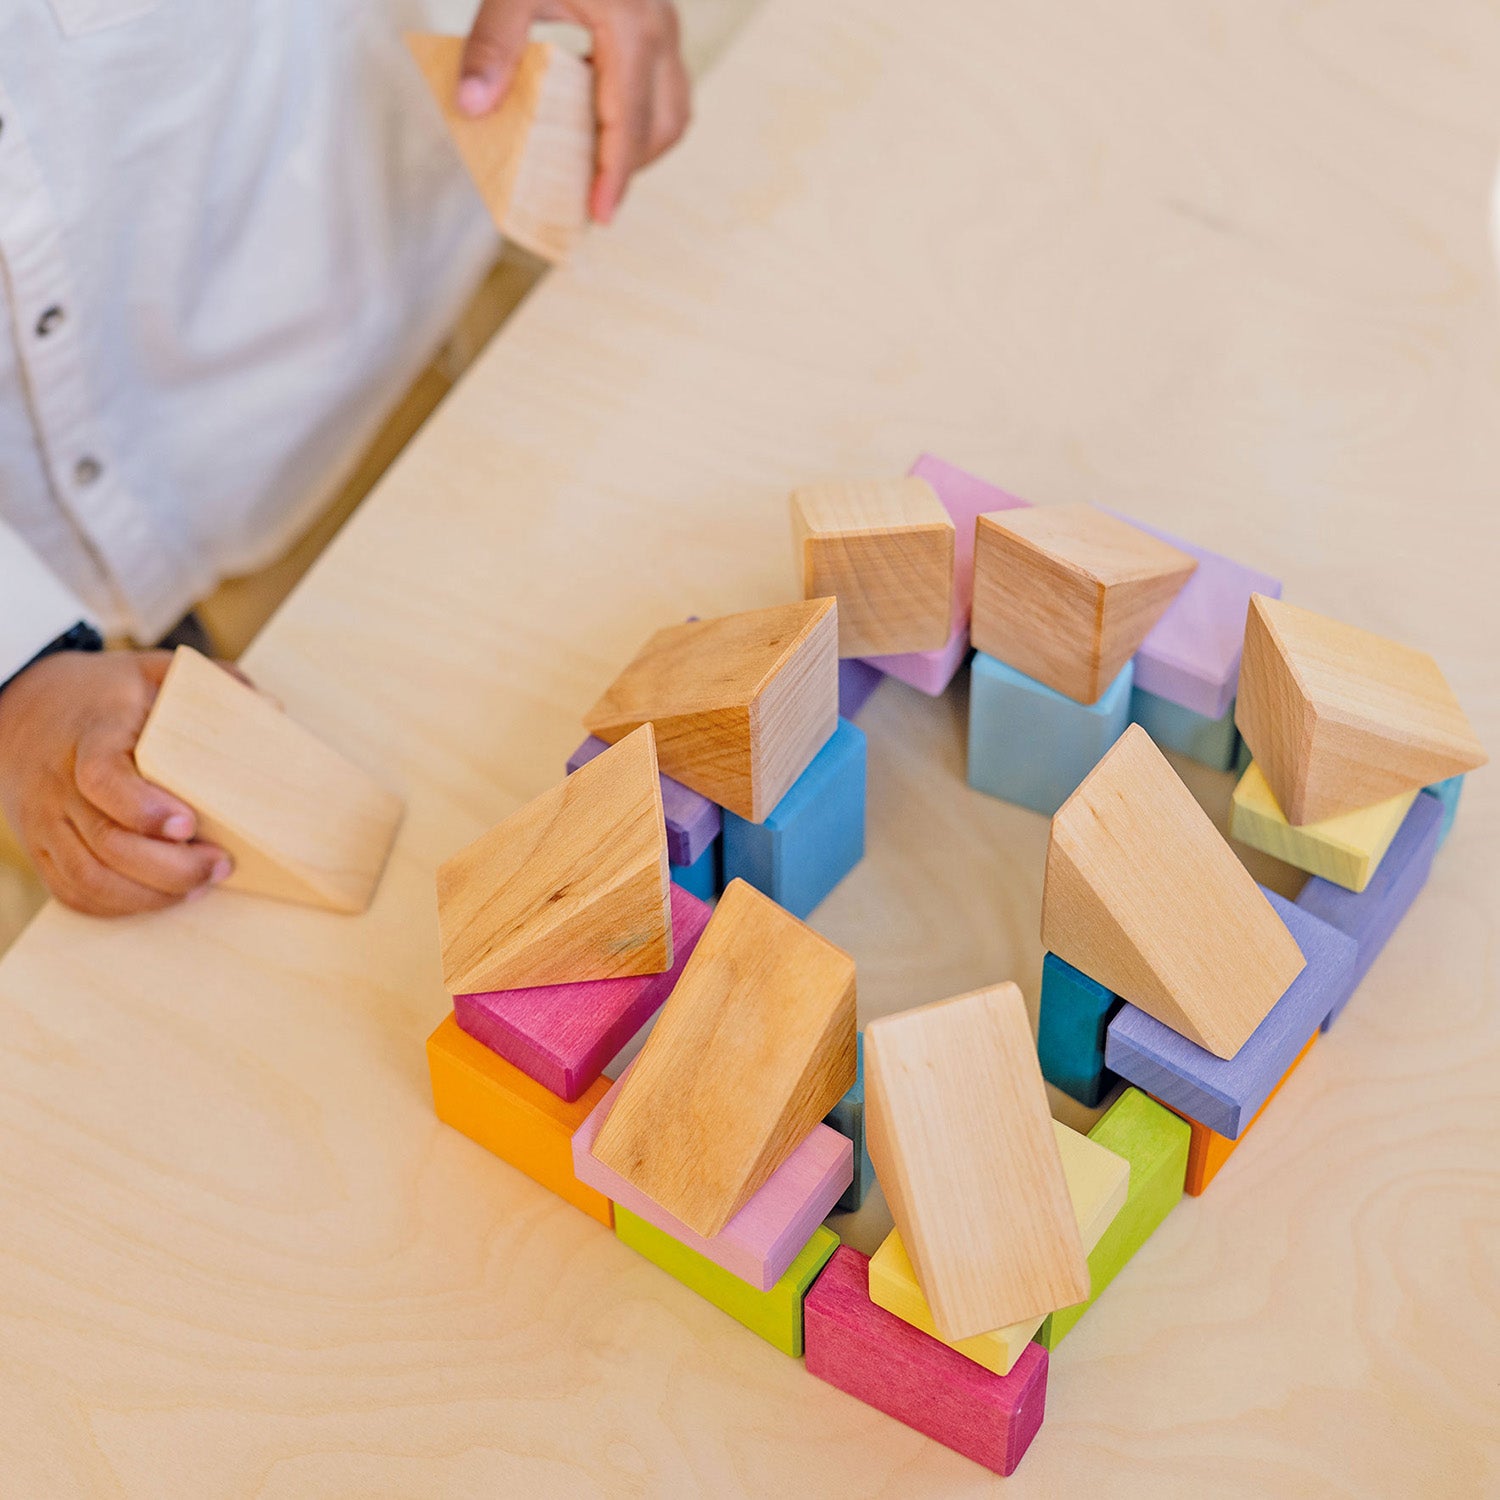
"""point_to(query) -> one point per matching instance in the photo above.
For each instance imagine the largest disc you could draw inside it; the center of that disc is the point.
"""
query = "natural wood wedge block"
(533, 158)
(1067, 593)
(1339, 719)
(754, 1047)
(957, 1125)
(571, 887)
(1144, 896)
(301, 822)
(884, 549)
(741, 704)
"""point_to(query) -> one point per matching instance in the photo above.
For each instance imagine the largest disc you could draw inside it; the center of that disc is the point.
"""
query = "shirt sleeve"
(34, 607)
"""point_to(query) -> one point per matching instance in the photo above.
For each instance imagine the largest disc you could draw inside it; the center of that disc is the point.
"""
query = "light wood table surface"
(1220, 265)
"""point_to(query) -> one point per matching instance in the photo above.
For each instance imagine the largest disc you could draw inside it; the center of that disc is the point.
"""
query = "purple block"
(1370, 916)
(693, 822)
(857, 683)
(565, 1035)
(765, 1236)
(1224, 1094)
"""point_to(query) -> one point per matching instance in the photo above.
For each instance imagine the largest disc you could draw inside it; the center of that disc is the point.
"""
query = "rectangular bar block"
(1211, 742)
(848, 1118)
(1074, 1019)
(692, 820)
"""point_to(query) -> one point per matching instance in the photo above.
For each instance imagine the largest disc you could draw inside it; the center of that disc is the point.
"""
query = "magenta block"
(911, 1376)
(693, 822)
(565, 1035)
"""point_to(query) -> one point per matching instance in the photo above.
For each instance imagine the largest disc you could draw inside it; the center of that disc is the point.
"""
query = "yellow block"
(480, 1094)
(1346, 850)
(1098, 1181)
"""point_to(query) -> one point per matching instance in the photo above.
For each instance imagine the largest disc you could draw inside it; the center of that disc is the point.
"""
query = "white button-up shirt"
(230, 235)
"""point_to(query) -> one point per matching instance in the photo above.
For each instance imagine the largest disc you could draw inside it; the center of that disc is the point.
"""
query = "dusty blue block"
(1211, 742)
(1030, 745)
(848, 1118)
(1242, 758)
(1075, 1016)
(814, 836)
(1447, 792)
(701, 878)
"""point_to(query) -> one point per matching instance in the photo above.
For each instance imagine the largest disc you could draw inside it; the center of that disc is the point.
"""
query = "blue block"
(1075, 1016)
(814, 836)
(701, 878)
(1031, 745)
(848, 1118)
(1447, 792)
(1211, 742)
(1225, 1094)
(1242, 758)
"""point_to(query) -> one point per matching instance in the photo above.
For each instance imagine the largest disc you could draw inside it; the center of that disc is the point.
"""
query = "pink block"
(565, 1035)
(907, 1374)
(765, 1236)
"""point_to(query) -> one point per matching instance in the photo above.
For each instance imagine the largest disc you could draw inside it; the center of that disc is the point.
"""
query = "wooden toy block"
(532, 160)
(1066, 593)
(1155, 1143)
(301, 822)
(813, 837)
(1339, 719)
(1447, 792)
(693, 822)
(1097, 1184)
(1346, 849)
(496, 1105)
(1143, 895)
(1031, 745)
(1214, 743)
(1073, 1020)
(872, 1355)
(572, 886)
(565, 1035)
(884, 549)
(763, 1238)
(754, 1047)
(958, 1128)
(848, 1118)
(741, 704)
(704, 878)
(1225, 1094)
(857, 683)
(776, 1315)
(1371, 916)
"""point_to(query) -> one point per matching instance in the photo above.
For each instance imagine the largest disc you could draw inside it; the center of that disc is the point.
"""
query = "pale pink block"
(764, 1237)
(565, 1035)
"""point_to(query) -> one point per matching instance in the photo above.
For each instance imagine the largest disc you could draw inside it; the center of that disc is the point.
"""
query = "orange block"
(477, 1092)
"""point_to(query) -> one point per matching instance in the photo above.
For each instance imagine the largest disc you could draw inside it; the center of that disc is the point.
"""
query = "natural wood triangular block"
(958, 1128)
(754, 1047)
(1339, 719)
(301, 822)
(741, 704)
(1067, 593)
(532, 159)
(571, 887)
(1144, 896)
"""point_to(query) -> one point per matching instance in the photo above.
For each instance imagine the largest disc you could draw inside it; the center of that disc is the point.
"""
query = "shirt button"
(48, 321)
(87, 470)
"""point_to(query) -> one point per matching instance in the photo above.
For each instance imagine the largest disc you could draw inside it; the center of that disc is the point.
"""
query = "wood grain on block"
(1225, 1094)
(857, 683)
(1338, 718)
(572, 886)
(496, 1105)
(763, 1238)
(958, 1128)
(754, 1047)
(693, 822)
(1142, 894)
(1066, 593)
(301, 822)
(1073, 1019)
(1214, 743)
(741, 704)
(532, 158)
(877, 1358)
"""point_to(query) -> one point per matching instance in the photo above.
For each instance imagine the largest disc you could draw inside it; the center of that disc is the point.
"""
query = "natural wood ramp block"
(571, 887)
(1143, 895)
(693, 822)
(957, 1124)
(1067, 593)
(754, 1047)
(301, 822)
(740, 704)
(884, 549)
(1339, 719)
(532, 159)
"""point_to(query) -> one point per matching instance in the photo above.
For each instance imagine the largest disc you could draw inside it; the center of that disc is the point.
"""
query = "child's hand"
(641, 87)
(105, 840)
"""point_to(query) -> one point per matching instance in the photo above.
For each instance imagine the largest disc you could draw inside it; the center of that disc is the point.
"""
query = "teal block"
(848, 1118)
(1074, 1022)
(701, 878)
(1031, 745)
(1447, 792)
(1242, 758)
(1211, 742)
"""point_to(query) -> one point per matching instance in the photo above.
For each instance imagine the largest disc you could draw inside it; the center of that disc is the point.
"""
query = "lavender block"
(857, 683)
(693, 822)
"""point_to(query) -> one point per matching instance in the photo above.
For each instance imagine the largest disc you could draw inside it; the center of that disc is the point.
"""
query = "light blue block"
(1211, 742)
(1074, 1019)
(848, 1118)
(1447, 792)
(814, 836)
(701, 878)
(1030, 745)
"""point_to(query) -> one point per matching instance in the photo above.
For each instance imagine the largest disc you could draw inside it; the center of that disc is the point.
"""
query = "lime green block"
(775, 1315)
(1155, 1143)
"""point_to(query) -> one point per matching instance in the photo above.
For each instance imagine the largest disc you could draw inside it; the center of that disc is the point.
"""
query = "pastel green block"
(775, 1315)
(1155, 1143)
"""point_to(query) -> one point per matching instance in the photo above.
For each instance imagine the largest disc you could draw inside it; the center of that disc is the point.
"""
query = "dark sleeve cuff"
(82, 637)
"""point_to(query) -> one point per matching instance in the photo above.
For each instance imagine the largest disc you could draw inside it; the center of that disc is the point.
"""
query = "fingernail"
(476, 95)
(179, 826)
(221, 872)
